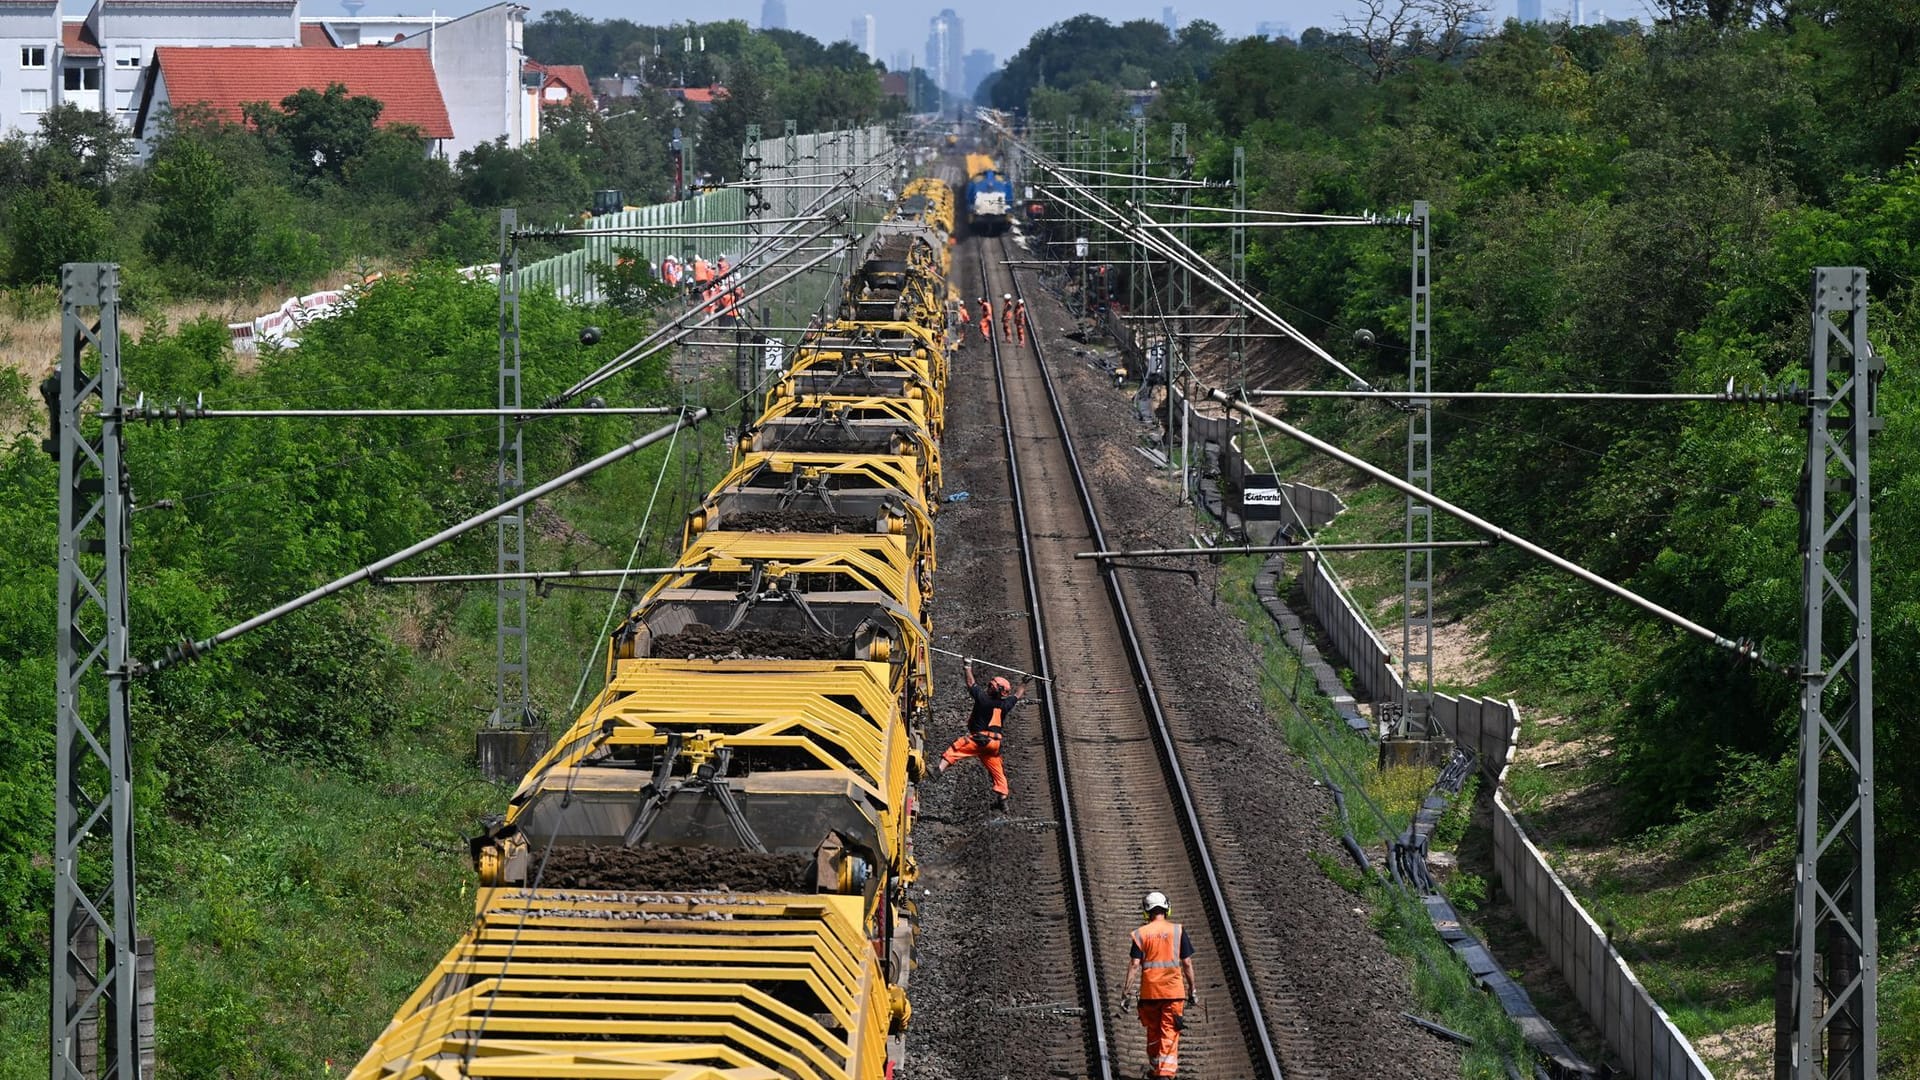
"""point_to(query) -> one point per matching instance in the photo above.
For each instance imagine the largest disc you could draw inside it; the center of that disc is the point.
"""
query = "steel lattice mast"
(1834, 871)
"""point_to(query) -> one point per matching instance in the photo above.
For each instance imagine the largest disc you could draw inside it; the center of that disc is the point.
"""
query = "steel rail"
(1241, 978)
(1056, 740)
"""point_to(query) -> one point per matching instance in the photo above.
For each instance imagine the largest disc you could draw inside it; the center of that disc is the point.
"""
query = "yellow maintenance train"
(708, 876)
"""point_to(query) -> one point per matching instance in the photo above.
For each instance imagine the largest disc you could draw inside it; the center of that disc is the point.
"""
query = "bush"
(55, 224)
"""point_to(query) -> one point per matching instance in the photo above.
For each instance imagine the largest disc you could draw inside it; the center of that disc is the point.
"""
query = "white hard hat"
(1155, 901)
(1007, 296)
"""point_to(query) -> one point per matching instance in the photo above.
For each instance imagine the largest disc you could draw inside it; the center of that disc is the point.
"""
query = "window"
(126, 56)
(33, 101)
(79, 78)
(123, 100)
(33, 56)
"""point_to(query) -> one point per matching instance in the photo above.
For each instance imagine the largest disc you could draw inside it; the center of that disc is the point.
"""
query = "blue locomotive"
(989, 199)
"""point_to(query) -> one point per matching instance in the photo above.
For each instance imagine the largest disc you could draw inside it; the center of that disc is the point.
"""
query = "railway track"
(1128, 814)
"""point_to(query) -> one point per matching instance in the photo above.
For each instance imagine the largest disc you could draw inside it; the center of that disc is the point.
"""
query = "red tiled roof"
(699, 95)
(315, 36)
(77, 40)
(228, 77)
(573, 77)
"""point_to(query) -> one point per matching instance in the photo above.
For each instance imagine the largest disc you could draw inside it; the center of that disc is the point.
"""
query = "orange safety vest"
(986, 313)
(963, 315)
(702, 273)
(710, 296)
(1159, 945)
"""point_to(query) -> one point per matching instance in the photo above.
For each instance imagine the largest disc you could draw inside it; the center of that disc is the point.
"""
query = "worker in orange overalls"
(960, 311)
(986, 728)
(986, 319)
(702, 274)
(1162, 961)
(1006, 317)
(1020, 320)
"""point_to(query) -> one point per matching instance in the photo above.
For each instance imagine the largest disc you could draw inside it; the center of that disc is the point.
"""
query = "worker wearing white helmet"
(1006, 317)
(1162, 972)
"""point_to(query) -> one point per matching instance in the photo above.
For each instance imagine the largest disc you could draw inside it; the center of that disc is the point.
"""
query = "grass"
(30, 320)
(1379, 803)
(285, 938)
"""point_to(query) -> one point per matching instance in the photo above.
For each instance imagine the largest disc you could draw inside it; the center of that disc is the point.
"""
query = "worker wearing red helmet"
(986, 729)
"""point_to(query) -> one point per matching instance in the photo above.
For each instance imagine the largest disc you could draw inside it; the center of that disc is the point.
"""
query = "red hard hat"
(1000, 686)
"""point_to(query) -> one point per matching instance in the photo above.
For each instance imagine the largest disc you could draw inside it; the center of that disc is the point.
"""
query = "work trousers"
(1163, 1041)
(989, 755)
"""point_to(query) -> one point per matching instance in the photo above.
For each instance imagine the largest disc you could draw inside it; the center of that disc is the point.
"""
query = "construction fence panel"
(820, 161)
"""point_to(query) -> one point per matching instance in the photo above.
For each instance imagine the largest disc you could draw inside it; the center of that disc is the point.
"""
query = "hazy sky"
(999, 26)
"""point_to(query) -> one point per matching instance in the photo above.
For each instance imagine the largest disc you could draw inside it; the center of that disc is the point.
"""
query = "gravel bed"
(1262, 810)
(995, 988)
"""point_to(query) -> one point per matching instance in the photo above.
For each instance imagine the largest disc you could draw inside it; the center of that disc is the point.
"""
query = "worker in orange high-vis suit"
(986, 729)
(986, 319)
(1020, 320)
(1006, 317)
(1163, 965)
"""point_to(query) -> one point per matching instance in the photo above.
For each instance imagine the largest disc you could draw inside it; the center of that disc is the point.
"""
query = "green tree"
(323, 133)
(54, 224)
(197, 222)
(80, 146)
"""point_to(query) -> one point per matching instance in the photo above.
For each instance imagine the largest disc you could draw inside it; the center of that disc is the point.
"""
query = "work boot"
(999, 804)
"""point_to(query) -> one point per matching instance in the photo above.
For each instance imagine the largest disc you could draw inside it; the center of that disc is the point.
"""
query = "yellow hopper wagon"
(848, 425)
(708, 875)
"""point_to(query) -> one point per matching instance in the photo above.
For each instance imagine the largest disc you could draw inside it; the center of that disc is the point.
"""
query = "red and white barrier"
(281, 328)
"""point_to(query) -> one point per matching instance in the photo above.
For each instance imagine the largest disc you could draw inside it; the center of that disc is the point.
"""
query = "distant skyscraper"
(865, 33)
(1578, 17)
(975, 68)
(946, 45)
(773, 14)
(1277, 30)
(1170, 19)
(901, 61)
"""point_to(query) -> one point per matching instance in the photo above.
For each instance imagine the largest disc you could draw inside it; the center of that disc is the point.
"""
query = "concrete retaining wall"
(1351, 635)
(1637, 1031)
